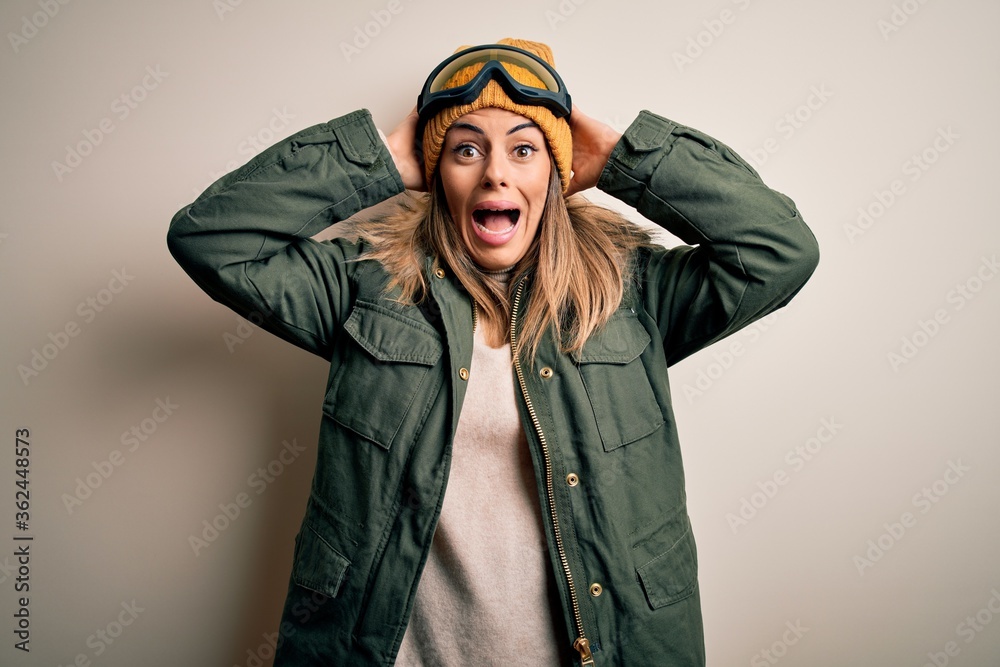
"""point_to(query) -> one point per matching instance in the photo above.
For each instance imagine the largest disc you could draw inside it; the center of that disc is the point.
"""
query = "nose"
(494, 175)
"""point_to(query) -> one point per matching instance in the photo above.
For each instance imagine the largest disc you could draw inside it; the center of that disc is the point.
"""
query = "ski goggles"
(434, 96)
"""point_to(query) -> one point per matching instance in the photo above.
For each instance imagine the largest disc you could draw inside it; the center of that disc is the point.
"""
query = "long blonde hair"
(578, 265)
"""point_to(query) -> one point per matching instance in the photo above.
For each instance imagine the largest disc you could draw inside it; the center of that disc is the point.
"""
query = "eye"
(466, 151)
(524, 151)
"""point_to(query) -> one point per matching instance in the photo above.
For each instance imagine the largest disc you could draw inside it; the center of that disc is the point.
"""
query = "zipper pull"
(582, 644)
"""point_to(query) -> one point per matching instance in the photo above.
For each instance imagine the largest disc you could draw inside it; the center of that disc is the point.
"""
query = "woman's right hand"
(402, 143)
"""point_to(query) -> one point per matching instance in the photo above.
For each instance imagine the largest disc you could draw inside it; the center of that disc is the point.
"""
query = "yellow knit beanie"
(556, 130)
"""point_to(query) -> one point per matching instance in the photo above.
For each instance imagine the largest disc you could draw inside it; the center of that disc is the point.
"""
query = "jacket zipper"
(581, 644)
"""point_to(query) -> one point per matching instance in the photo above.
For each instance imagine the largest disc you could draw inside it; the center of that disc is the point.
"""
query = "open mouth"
(496, 220)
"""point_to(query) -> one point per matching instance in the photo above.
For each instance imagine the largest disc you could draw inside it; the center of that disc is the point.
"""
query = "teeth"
(499, 231)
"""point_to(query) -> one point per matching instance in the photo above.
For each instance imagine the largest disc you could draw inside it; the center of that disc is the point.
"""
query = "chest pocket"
(384, 372)
(616, 381)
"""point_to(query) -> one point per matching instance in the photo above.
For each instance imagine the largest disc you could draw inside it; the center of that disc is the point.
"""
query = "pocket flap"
(673, 575)
(621, 340)
(389, 336)
(617, 383)
(648, 132)
(358, 144)
(318, 566)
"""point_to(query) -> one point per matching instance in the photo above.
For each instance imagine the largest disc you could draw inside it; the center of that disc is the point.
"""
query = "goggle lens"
(484, 56)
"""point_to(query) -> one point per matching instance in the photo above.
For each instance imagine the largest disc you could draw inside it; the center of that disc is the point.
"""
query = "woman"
(563, 537)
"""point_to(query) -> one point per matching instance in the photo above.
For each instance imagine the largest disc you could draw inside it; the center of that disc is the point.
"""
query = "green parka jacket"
(599, 424)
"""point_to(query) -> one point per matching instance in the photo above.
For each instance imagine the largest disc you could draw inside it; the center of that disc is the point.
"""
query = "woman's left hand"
(593, 142)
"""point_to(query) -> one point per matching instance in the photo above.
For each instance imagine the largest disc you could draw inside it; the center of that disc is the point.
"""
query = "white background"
(232, 77)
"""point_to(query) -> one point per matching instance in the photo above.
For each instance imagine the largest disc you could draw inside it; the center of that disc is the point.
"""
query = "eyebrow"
(479, 130)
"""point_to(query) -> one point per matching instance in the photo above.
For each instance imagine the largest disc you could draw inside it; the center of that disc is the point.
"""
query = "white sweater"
(487, 595)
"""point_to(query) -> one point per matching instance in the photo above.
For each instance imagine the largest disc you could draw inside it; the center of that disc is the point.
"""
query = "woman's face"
(494, 167)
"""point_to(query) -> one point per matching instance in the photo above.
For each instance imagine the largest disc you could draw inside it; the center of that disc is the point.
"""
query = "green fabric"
(394, 390)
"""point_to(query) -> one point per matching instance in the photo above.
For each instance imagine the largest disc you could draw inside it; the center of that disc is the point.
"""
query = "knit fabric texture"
(488, 594)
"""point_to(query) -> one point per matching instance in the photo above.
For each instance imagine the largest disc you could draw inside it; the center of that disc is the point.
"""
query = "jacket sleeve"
(749, 251)
(245, 240)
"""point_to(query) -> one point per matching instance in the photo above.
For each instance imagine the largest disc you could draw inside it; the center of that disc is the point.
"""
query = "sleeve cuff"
(355, 133)
(634, 159)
